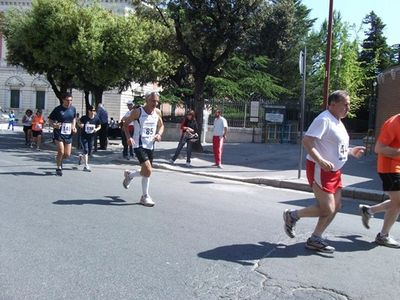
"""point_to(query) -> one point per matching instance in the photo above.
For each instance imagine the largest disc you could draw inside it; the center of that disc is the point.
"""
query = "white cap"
(130, 102)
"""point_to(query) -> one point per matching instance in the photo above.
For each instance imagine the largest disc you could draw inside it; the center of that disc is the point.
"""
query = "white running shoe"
(171, 161)
(188, 165)
(146, 200)
(127, 179)
(87, 168)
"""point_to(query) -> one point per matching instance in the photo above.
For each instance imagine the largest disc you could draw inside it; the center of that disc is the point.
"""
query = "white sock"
(133, 174)
(145, 185)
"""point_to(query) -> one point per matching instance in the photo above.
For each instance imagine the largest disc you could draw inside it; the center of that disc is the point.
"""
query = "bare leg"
(392, 212)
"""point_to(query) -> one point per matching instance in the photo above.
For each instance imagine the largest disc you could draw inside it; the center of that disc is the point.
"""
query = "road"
(82, 236)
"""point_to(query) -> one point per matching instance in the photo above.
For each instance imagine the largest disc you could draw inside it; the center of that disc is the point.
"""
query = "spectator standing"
(11, 120)
(102, 114)
(125, 145)
(219, 135)
(189, 129)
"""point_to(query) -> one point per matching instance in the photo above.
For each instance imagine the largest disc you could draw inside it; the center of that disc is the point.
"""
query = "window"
(14, 102)
(40, 99)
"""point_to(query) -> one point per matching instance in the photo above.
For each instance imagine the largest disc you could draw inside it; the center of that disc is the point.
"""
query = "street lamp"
(372, 106)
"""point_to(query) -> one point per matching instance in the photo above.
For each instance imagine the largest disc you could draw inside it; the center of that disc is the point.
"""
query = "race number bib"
(149, 129)
(66, 128)
(343, 152)
(89, 128)
(38, 127)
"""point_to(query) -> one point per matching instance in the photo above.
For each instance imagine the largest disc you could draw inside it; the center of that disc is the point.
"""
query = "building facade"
(20, 91)
(388, 96)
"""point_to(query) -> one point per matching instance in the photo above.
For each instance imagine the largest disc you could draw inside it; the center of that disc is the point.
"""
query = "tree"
(346, 71)
(207, 33)
(88, 48)
(281, 35)
(375, 57)
(242, 79)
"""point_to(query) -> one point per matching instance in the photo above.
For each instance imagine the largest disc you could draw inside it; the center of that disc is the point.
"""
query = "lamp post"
(372, 106)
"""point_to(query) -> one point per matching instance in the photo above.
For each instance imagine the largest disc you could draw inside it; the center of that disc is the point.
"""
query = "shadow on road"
(114, 200)
(246, 254)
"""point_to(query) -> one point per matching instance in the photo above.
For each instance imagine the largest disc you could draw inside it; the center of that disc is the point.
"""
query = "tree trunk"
(87, 102)
(98, 95)
(58, 91)
(199, 81)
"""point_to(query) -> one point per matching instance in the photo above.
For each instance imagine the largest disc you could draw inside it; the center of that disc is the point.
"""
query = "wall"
(388, 100)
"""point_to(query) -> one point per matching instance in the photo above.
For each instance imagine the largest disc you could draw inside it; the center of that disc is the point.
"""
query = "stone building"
(388, 96)
(20, 90)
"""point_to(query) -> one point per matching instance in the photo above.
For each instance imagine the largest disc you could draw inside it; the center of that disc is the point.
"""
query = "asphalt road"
(83, 236)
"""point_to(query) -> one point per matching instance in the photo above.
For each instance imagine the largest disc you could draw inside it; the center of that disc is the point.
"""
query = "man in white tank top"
(327, 145)
(149, 128)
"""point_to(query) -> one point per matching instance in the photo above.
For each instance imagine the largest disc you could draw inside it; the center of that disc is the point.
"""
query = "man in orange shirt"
(388, 149)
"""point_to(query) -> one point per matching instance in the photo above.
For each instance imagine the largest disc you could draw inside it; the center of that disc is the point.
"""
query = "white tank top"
(145, 129)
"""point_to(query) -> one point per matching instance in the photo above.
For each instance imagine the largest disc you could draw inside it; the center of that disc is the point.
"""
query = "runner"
(90, 124)
(37, 129)
(27, 123)
(63, 121)
(388, 149)
(147, 119)
(327, 144)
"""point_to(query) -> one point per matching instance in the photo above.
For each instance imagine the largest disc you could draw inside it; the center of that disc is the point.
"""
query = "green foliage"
(242, 80)
(346, 72)
(85, 47)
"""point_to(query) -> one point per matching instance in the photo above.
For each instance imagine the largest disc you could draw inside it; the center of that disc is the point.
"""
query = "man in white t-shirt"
(327, 144)
(219, 135)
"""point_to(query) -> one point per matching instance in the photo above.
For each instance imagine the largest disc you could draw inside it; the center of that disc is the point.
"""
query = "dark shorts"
(26, 128)
(390, 181)
(67, 139)
(143, 154)
(36, 133)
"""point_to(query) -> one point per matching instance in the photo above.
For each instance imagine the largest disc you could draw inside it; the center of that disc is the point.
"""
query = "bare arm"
(134, 115)
(160, 126)
(386, 150)
(309, 145)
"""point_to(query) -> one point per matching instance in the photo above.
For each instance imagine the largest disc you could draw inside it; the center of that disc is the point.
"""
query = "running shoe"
(171, 161)
(188, 165)
(318, 244)
(146, 200)
(289, 224)
(386, 240)
(59, 172)
(365, 215)
(220, 166)
(127, 179)
(87, 169)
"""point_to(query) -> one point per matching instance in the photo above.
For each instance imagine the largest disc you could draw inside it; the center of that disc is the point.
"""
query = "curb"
(292, 184)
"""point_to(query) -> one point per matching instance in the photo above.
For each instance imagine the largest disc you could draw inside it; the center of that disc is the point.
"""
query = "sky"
(354, 11)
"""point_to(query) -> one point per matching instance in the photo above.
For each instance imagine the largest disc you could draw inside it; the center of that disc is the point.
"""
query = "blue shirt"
(102, 114)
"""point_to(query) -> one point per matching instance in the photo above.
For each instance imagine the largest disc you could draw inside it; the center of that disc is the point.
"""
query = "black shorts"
(36, 133)
(390, 181)
(67, 139)
(26, 128)
(143, 154)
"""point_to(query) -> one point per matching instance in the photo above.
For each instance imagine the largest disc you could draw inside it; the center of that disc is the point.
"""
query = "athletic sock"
(145, 185)
(133, 174)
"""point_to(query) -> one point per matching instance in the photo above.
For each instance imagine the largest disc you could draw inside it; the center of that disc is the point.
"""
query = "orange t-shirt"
(390, 136)
(37, 123)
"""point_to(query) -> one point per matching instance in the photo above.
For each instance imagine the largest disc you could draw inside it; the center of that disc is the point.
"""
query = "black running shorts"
(390, 181)
(143, 154)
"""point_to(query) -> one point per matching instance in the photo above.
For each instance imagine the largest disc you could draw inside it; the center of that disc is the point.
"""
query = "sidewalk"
(270, 164)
